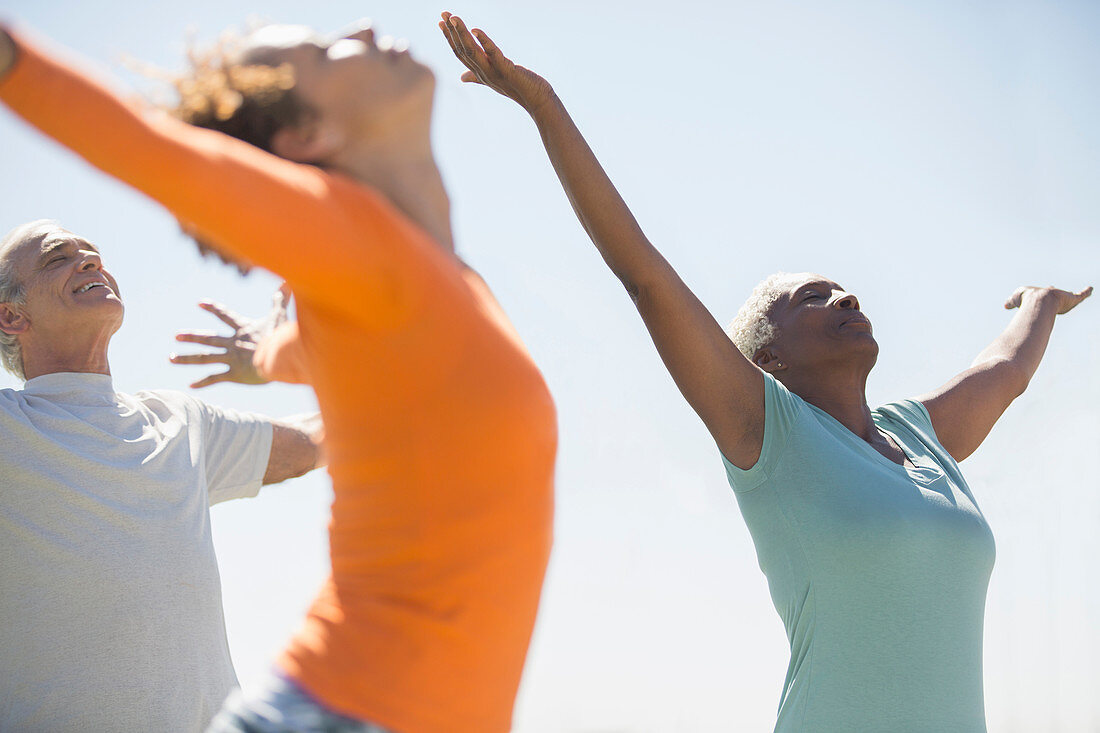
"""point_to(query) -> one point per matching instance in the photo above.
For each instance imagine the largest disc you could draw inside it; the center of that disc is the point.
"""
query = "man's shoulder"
(190, 407)
(164, 404)
(11, 400)
(173, 396)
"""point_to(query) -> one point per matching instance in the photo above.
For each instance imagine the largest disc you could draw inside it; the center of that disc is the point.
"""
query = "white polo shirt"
(110, 599)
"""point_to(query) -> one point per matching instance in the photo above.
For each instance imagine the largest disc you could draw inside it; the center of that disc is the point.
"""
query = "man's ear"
(309, 142)
(768, 360)
(12, 320)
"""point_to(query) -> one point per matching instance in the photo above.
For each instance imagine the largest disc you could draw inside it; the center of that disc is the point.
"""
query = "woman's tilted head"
(338, 102)
(803, 321)
(304, 96)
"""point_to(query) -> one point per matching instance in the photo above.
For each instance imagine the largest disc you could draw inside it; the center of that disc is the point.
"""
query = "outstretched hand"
(489, 66)
(1064, 299)
(237, 350)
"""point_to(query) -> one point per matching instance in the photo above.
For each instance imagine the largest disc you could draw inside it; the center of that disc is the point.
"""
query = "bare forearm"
(964, 410)
(296, 448)
(724, 389)
(1022, 344)
(597, 204)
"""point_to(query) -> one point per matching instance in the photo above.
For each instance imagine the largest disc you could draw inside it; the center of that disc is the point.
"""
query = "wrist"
(1045, 297)
(546, 103)
(1043, 303)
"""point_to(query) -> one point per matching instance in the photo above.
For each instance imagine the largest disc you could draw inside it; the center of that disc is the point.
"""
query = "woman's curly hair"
(248, 101)
(245, 99)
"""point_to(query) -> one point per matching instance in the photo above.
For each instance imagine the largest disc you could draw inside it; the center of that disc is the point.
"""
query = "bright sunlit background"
(930, 156)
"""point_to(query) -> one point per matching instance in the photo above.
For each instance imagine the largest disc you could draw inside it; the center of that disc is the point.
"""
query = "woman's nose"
(847, 301)
(362, 30)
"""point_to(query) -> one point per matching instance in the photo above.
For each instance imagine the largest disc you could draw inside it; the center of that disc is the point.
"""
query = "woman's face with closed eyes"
(820, 322)
(354, 81)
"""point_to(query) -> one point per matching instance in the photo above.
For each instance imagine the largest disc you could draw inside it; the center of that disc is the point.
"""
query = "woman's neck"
(402, 167)
(843, 396)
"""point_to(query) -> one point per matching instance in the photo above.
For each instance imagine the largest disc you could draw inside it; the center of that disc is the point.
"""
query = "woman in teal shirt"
(875, 551)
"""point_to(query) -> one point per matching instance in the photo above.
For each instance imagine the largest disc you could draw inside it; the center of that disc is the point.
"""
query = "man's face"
(65, 287)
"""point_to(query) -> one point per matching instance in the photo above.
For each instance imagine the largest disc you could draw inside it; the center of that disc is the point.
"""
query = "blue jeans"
(279, 705)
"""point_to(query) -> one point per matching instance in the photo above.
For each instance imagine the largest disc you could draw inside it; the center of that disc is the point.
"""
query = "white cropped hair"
(753, 328)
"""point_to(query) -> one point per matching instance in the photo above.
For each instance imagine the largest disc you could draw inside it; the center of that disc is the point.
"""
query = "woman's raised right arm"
(723, 387)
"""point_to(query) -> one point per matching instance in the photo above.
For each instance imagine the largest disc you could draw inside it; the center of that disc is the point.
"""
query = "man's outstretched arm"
(296, 447)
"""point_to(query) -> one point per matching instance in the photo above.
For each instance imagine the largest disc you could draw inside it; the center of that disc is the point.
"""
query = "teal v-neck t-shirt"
(879, 571)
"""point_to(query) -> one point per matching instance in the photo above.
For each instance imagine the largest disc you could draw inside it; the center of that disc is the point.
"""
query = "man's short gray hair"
(753, 327)
(11, 290)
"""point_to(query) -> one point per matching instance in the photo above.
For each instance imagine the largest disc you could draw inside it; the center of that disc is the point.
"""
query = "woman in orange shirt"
(440, 431)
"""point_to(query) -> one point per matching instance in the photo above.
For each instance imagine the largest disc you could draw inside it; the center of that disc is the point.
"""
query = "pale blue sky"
(930, 156)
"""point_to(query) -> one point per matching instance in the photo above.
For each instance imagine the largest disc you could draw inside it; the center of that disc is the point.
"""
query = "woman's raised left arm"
(964, 410)
(253, 205)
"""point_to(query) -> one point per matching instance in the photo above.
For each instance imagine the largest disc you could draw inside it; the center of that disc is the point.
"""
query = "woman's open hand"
(1063, 299)
(237, 350)
(488, 66)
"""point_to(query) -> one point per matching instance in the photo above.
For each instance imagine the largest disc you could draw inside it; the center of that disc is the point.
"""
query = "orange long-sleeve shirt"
(440, 431)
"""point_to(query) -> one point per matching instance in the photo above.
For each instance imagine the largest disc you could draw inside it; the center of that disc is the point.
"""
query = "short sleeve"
(236, 448)
(913, 416)
(782, 409)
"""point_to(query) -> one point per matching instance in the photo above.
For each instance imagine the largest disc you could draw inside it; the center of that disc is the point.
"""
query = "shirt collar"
(71, 387)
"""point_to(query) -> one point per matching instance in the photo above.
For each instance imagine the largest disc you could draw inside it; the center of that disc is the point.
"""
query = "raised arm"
(296, 447)
(724, 388)
(964, 410)
(255, 206)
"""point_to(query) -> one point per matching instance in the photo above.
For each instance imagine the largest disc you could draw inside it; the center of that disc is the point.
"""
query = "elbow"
(632, 289)
(1019, 380)
(630, 281)
(1013, 377)
(646, 287)
(642, 293)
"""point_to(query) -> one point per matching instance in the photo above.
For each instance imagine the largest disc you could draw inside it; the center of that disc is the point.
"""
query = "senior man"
(110, 599)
